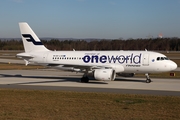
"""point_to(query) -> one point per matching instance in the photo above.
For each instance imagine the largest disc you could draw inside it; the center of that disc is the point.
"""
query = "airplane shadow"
(59, 79)
(130, 80)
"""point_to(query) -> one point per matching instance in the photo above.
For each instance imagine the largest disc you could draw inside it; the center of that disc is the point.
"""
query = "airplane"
(103, 65)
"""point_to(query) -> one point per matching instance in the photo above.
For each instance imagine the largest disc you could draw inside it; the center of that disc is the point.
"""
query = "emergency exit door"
(146, 60)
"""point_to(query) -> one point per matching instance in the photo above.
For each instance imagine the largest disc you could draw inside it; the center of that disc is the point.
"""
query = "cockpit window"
(166, 58)
(162, 58)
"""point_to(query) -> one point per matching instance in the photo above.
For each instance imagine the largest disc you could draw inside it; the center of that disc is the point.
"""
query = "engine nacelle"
(104, 74)
(125, 74)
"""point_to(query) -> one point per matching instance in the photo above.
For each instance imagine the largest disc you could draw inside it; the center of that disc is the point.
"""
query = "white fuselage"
(131, 61)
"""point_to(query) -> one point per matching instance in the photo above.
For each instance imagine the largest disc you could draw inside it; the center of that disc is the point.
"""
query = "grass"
(172, 54)
(161, 75)
(9, 54)
(59, 105)
(5, 66)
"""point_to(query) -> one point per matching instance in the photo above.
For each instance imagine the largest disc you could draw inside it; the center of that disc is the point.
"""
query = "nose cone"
(173, 65)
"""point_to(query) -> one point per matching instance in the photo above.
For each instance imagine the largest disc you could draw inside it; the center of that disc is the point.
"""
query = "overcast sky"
(110, 19)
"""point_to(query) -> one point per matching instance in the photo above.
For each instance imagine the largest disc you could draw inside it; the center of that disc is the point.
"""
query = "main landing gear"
(84, 79)
(148, 80)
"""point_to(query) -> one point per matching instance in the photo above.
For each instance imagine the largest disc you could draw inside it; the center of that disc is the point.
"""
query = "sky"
(103, 19)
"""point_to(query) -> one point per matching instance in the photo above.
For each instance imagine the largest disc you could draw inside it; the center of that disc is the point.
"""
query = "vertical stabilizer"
(30, 40)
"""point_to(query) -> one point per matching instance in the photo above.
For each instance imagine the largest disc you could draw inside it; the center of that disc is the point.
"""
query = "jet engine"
(104, 74)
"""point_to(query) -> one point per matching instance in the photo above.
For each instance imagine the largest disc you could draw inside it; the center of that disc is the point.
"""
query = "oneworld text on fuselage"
(97, 58)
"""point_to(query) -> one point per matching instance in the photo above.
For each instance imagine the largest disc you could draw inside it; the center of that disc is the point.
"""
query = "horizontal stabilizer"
(24, 56)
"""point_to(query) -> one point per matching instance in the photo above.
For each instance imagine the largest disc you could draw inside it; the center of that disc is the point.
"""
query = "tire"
(84, 80)
(148, 80)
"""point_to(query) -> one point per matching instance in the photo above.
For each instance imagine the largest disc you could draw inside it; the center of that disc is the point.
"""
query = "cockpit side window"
(166, 58)
(162, 58)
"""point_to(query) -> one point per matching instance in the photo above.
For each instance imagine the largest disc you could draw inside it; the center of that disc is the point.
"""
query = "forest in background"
(158, 44)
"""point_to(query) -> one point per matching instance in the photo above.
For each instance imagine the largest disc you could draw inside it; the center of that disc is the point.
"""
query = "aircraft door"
(45, 57)
(146, 60)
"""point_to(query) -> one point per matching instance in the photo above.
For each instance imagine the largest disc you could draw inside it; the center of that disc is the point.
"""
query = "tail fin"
(30, 41)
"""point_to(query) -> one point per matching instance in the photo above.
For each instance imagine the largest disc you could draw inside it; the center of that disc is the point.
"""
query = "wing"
(83, 68)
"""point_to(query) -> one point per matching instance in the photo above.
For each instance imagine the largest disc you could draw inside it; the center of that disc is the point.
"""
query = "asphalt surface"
(69, 81)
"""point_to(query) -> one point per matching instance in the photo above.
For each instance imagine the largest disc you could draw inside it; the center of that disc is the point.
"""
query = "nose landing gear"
(148, 80)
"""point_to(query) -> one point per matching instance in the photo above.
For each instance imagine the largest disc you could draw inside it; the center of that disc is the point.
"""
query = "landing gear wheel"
(84, 79)
(148, 80)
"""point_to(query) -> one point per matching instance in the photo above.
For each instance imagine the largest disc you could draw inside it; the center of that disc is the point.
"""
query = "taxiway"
(69, 81)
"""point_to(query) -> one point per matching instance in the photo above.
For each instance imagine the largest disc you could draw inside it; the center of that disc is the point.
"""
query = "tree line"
(160, 44)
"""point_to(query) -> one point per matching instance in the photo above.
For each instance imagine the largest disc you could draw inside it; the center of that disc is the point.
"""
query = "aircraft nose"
(173, 66)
